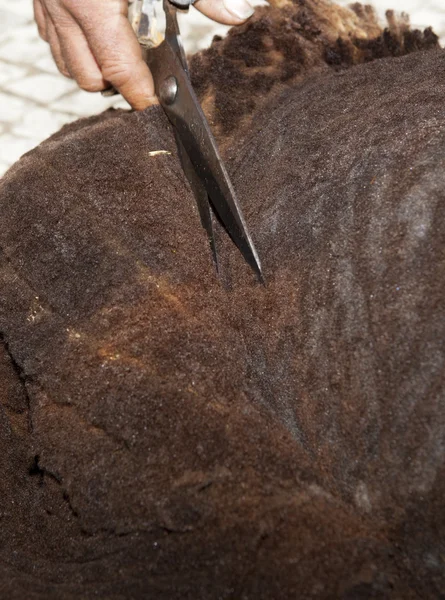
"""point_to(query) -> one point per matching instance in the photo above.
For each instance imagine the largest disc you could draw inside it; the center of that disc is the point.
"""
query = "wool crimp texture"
(167, 433)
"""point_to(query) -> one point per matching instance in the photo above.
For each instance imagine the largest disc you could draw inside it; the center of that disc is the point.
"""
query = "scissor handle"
(142, 16)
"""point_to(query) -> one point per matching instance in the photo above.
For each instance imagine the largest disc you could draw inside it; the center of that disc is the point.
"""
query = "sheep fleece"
(166, 433)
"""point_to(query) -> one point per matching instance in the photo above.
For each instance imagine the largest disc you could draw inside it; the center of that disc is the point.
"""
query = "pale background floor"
(35, 100)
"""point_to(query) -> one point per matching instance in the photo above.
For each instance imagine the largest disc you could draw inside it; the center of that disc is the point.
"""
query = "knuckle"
(91, 84)
(64, 25)
(75, 5)
(84, 11)
(119, 74)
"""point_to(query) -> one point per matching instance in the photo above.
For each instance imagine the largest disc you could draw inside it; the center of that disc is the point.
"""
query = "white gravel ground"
(35, 100)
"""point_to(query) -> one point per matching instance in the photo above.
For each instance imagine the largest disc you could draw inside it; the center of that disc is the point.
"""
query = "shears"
(198, 152)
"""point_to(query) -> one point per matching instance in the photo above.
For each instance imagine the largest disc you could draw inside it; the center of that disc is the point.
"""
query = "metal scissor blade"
(178, 99)
(173, 37)
(201, 197)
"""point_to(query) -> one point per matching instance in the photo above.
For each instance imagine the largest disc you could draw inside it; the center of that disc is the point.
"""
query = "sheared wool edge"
(285, 43)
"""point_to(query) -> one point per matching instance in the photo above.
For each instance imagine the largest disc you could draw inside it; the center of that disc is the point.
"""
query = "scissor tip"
(255, 264)
(251, 257)
(260, 276)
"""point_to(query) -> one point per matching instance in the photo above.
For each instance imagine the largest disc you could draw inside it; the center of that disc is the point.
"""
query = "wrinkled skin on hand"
(93, 42)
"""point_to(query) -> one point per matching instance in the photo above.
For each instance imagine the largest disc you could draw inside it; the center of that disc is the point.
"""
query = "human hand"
(93, 42)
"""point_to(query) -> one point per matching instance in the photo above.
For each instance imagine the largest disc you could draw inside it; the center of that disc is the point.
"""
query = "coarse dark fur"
(167, 434)
(284, 43)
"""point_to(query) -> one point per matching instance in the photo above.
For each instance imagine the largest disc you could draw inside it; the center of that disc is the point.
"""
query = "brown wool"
(168, 434)
(284, 44)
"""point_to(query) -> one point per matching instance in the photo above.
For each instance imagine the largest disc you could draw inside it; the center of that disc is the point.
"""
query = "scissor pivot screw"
(168, 90)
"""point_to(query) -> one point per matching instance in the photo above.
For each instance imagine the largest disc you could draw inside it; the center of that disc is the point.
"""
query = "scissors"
(198, 152)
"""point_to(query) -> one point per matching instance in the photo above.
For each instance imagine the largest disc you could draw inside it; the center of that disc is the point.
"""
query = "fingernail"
(241, 9)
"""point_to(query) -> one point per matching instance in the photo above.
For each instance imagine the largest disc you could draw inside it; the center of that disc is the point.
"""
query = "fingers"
(39, 16)
(69, 48)
(56, 50)
(79, 59)
(119, 56)
(228, 12)
(94, 42)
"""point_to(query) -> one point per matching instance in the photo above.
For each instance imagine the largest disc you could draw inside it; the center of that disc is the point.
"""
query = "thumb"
(227, 12)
